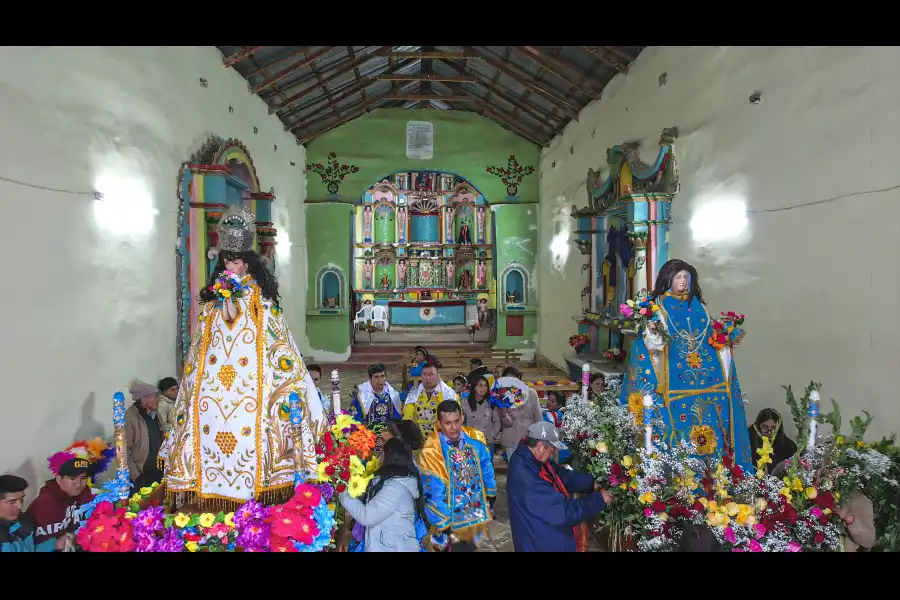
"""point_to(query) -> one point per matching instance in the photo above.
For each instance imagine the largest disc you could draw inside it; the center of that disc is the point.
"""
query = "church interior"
(482, 201)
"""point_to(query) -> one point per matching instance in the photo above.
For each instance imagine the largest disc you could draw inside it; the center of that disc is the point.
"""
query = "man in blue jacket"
(542, 515)
(16, 529)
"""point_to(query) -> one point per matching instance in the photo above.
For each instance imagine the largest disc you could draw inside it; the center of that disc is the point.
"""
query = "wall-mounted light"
(720, 219)
(123, 205)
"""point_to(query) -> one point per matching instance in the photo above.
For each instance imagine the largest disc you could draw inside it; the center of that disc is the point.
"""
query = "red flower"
(820, 537)
(825, 500)
(281, 544)
(329, 470)
(345, 475)
(721, 338)
(658, 506)
(340, 488)
(717, 325)
(329, 442)
(307, 495)
(698, 507)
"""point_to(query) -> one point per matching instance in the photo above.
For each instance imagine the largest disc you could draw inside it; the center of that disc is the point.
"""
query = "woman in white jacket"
(390, 505)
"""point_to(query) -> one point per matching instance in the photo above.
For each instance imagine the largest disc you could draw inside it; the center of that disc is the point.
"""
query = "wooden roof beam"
(577, 79)
(427, 77)
(346, 92)
(607, 57)
(526, 81)
(336, 110)
(511, 121)
(355, 111)
(424, 97)
(245, 52)
(308, 60)
(346, 69)
(282, 58)
(426, 55)
(528, 109)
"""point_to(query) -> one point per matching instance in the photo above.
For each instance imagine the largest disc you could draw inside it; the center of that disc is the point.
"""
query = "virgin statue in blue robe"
(694, 385)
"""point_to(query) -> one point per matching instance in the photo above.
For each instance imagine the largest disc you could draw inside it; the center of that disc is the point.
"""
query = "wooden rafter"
(607, 57)
(427, 97)
(351, 90)
(511, 121)
(528, 109)
(335, 74)
(351, 113)
(525, 80)
(307, 60)
(300, 50)
(577, 79)
(337, 112)
(240, 55)
(427, 77)
(430, 54)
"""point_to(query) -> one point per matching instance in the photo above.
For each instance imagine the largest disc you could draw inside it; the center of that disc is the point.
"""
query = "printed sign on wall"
(419, 140)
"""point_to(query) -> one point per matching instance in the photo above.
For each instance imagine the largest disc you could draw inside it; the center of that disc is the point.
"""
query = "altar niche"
(622, 233)
(216, 177)
(423, 248)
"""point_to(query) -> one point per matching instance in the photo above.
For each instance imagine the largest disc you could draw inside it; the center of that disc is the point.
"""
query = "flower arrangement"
(579, 340)
(616, 355)
(228, 285)
(644, 311)
(303, 524)
(342, 453)
(508, 397)
(333, 172)
(726, 330)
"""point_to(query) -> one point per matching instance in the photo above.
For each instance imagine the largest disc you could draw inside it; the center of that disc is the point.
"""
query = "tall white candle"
(336, 392)
(585, 379)
(648, 427)
(813, 415)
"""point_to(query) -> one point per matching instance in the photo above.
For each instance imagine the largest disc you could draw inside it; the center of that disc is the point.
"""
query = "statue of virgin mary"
(232, 439)
(694, 385)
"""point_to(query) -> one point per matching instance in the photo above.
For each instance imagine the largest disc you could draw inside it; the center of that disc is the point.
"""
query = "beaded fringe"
(192, 502)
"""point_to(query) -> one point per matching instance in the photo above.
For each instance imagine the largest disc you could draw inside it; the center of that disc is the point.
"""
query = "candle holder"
(296, 420)
(813, 413)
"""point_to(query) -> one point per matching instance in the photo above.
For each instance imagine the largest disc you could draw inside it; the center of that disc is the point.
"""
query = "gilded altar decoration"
(332, 172)
(234, 440)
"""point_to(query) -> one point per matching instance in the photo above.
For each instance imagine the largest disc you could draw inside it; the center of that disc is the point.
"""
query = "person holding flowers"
(232, 438)
(393, 501)
(690, 376)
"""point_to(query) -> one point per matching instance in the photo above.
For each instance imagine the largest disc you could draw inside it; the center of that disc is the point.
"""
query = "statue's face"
(680, 281)
(236, 266)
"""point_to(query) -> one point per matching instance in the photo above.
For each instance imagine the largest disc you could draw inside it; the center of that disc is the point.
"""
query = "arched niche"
(220, 174)
(385, 271)
(385, 223)
(514, 285)
(464, 226)
(330, 288)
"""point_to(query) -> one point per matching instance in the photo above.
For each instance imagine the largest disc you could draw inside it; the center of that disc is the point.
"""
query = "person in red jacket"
(58, 508)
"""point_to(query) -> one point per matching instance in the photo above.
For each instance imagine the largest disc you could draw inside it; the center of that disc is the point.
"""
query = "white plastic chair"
(380, 315)
(363, 316)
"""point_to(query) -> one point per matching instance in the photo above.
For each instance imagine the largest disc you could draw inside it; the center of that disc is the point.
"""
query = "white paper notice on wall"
(419, 140)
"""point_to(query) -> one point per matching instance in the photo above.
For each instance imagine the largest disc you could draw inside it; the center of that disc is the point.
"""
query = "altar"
(433, 312)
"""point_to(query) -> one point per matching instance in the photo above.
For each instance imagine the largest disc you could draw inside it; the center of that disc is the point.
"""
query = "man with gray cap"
(143, 434)
(543, 516)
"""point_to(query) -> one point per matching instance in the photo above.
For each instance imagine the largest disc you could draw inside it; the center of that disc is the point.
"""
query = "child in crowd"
(168, 393)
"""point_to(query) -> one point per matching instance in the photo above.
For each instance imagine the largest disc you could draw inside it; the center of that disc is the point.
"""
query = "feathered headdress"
(96, 451)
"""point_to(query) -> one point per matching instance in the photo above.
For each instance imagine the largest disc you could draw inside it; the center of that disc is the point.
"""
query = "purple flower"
(327, 491)
(250, 511)
(170, 542)
(253, 536)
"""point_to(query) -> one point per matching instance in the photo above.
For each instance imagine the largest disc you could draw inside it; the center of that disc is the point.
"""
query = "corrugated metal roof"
(534, 91)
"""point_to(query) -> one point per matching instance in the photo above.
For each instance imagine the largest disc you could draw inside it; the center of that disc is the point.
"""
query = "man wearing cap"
(543, 516)
(58, 508)
(143, 434)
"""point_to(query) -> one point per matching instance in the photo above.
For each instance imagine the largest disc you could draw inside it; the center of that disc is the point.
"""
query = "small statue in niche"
(424, 182)
(481, 272)
(401, 273)
(367, 224)
(480, 224)
(385, 282)
(449, 274)
(465, 280)
(512, 296)
(367, 275)
(464, 236)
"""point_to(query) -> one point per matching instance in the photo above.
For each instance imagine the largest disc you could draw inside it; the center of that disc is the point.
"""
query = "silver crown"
(236, 229)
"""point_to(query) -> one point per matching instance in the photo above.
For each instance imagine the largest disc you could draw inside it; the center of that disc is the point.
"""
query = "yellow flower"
(647, 497)
(711, 505)
(840, 440)
(225, 294)
(321, 471)
(811, 493)
(741, 519)
(358, 485)
(717, 519)
(130, 515)
(837, 495)
(704, 438)
(601, 447)
(623, 486)
(207, 520)
(744, 509)
(629, 302)
(633, 485)
(632, 472)
(796, 485)
(342, 422)
(626, 461)
(191, 546)
(787, 494)
(154, 485)
(356, 466)
(331, 506)
(229, 519)
(655, 307)
(827, 511)
(136, 498)
(732, 509)
(662, 516)
(860, 444)
(751, 520)
(146, 491)
(181, 520)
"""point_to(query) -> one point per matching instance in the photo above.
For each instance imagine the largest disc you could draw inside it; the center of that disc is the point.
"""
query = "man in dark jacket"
(58, 508)
(16, 529)
(542, 515)
(477, 370)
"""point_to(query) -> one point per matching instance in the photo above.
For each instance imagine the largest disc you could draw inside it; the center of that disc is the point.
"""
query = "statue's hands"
(230, 312)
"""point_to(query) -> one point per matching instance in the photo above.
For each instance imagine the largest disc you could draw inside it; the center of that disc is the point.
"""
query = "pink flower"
(815, 511)
(755, 546)
(760, 530)
(644, 312)
(648, 512)
(794, 546)
(626, 310)
(737, 549)
(729, 535)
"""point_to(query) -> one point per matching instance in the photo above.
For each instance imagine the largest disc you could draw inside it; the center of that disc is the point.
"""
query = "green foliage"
(800, 411)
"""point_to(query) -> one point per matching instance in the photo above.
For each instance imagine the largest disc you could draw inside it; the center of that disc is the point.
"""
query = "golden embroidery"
(227, 375)
(226, 442)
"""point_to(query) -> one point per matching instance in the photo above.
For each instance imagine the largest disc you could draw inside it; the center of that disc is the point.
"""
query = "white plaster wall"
(90, 295)
(819, 284)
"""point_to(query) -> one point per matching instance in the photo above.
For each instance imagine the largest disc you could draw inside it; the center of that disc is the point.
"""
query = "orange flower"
(362, 441)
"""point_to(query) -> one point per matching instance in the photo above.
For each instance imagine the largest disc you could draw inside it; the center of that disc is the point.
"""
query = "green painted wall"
(517, 242)
(327, 245)
(464, 144)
